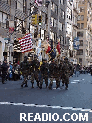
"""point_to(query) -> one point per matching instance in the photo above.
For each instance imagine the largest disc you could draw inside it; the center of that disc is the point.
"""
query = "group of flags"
(26, 46)
(52, 51)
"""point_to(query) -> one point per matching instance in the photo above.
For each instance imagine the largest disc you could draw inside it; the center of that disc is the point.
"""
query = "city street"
(77, 99)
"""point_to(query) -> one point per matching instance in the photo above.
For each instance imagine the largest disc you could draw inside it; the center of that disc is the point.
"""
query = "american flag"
(26, 43)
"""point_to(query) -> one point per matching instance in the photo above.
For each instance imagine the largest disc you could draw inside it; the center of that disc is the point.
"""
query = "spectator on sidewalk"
(4, 71)
(77, 70)
(10, 70)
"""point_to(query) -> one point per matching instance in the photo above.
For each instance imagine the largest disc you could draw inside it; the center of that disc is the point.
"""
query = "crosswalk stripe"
(46, 106)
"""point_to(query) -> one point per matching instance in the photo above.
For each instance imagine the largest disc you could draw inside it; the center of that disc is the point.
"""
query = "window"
(52, 21)
(81, 42)
(56, 9)
(69, 13)
(62, 2)
(63, 15)
(82, 25)
(82, 17)
(78, 17)
(78, 24)
(20, 5)
(1, 17)
(55, 23)
(60, 26)
(82, 9)
(80, 52)
(74, 33)
(79, 34)
(83, 1)
(80, 60)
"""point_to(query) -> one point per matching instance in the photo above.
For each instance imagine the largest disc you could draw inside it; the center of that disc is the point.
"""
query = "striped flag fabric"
(58, 47)
(26, 43)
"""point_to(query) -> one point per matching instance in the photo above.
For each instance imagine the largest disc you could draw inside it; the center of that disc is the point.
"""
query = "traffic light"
(40, 20)
(34, 19)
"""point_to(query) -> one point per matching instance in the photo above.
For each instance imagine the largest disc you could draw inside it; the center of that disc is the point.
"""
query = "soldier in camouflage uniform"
(44, 72)
(54, 74)
(24, 67)
(60, 69)
(35, 64)
(66, 70)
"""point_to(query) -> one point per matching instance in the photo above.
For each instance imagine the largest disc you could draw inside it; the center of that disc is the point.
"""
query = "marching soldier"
(24, 67)
(54, 73)
(35, 64)
(66, 69)
(44, 73)
(57, 74)
(60, 69)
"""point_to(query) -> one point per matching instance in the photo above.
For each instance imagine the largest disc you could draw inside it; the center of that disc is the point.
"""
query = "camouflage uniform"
(60, 69)
(35, 64)
(54, 73)
(66, 71)
(44, 73)
(24, 67)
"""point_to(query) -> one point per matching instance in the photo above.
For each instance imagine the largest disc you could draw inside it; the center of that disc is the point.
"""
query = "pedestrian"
(4, 71)
(10, 70)
(34, 70)
(15, 71)
(24, 68)
(44, 73)
(77, 70)
(60, 70)
(18, 67)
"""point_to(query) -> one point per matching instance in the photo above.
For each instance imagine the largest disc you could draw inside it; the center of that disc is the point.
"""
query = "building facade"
(84, 32)
(12, 15)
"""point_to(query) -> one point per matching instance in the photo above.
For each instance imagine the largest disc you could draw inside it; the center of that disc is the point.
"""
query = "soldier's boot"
(62, 84)
(40, 86)
(37, 84)
(46, 85)
(57, 86)
(26, 85)
(32, 85)
(50, 86)
(22, 84)
(66, 86)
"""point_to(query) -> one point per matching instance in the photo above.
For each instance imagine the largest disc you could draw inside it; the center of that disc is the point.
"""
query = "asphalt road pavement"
(15, 100)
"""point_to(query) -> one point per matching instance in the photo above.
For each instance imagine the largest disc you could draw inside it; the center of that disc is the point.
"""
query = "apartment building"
(84, 32)
(68, 26)
(72, 53)
(12, 13)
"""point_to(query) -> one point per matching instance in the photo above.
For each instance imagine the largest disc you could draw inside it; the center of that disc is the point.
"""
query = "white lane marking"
(46, 106)
(76, 80)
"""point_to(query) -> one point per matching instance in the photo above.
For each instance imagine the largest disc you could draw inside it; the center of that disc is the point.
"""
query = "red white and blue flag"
(26, 43)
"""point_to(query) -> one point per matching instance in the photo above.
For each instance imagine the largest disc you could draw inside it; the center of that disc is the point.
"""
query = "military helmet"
(66, 58)
(35, 56)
